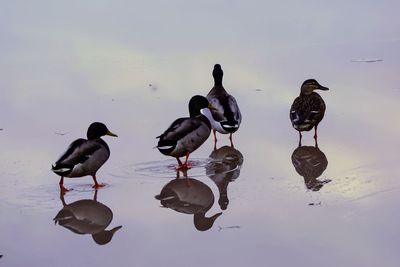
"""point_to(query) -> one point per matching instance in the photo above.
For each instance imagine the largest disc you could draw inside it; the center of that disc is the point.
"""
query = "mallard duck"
(185, 135)
(223, 168)
(84, 156)
(190, 196)
(87, 216)
(310, 162)
(226, 116)
(308, 109)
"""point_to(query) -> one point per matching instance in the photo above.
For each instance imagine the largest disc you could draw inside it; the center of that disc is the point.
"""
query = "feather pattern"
(226, 116)
(83, 157)
(184, 135)
(307, 111)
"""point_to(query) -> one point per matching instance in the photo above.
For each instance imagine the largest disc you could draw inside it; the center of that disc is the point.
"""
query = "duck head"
(105, 236)
(197, 103)
(310, 85)
(202, 223)
(97, 130)
(217, 74)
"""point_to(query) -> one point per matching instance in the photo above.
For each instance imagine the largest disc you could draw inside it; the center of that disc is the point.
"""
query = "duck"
(87, 216)
(187, 134)
(310, 162)
(224, 167)
(190, 196)
(84, 156)
(308, 109)
(226, 116)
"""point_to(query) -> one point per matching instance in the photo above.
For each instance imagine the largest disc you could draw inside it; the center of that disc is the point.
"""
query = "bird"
(87, 216)
(190, 196)
(187, 134)
(308, 108)
(226, 116)
(84, 156)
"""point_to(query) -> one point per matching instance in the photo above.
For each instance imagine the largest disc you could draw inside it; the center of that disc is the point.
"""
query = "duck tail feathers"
(166, 146)
(61, 169)
(230, 126)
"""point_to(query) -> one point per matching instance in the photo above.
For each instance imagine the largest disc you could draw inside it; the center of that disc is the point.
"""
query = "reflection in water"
(189, 196)
(310, 162)
(87, 216)
(224, 168)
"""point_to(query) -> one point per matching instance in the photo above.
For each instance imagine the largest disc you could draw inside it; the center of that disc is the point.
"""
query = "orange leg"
(62, 188)
(185, 165)
(179, 164)
(96, 184)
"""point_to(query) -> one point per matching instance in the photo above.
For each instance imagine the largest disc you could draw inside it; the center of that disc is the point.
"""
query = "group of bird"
(218, 111)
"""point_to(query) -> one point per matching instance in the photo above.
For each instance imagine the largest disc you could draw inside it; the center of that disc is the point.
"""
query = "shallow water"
(134, 67)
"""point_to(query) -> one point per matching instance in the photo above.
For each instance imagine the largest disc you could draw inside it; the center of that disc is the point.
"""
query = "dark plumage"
(190, 196)
(185, 135)
(87, 216)
(226, 116)
(224, 167)
(310, 162)
(84, 156)
(308, 109)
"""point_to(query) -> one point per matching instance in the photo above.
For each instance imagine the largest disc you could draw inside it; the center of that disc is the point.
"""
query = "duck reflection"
(189, 196)
(87, 216)
(310, 162)
(224, 168)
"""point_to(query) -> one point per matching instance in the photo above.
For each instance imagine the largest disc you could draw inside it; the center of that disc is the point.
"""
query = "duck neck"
(218, 74)
(218, 80)
(194, 112)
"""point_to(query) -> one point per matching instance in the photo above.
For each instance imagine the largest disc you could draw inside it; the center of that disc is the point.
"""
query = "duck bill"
(111, 134)
(211, 107)
(323, 88)
(115, 229)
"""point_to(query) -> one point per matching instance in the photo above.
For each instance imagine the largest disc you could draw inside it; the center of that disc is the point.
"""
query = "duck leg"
(185, 165)
(316, 136)
(179, 164)
(230, 138)
(315, 132)
(300, 137)
(96, 184)
(62, 188)
(215, 137)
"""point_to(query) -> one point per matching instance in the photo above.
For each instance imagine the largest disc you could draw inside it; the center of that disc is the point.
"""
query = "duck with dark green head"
(187, 134)
(84, 156)
(308, 109)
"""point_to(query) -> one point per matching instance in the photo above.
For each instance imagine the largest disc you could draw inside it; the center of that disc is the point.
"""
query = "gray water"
(135, 65)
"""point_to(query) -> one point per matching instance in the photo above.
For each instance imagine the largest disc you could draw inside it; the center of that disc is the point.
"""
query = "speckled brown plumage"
(307, 111)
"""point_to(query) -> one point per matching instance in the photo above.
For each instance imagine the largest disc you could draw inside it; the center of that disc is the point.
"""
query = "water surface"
(134, 66)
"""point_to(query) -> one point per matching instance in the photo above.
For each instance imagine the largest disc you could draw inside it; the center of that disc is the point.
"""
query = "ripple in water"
(160, 169)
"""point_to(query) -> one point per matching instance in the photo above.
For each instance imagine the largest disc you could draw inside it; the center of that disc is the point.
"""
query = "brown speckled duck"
(308, 108)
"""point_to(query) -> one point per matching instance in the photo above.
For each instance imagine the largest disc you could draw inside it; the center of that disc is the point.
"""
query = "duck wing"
(226, 109)
(179, 129)
(307, 111)
(78, 152)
